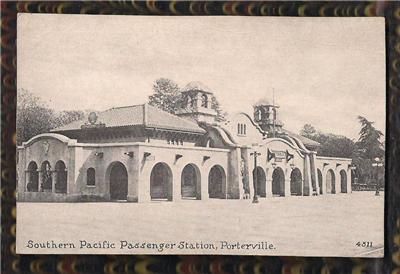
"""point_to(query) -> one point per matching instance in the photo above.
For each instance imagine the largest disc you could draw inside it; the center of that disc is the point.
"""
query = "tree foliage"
(369, 147)
(331, 145)
(167, 96)
(35, 117)
(369, 141)
(363, 152)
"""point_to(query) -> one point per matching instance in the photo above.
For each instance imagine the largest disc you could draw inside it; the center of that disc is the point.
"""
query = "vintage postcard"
(200, 135)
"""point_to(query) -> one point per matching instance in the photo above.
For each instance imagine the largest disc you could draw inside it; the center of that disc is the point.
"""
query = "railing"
(365, 187)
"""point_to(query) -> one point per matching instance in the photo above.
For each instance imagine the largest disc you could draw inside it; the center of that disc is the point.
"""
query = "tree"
(167, 96)
(369, 141)
(369, 147)
(220, 113)
(33, 116)
(331, 145)
(67, 116)
(308, 131)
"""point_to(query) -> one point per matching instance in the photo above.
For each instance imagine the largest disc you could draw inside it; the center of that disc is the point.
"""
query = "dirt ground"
(327, 225)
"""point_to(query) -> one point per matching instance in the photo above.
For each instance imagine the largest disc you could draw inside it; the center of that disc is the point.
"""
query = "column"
(133, 178)
(204, 186)
(176, 185)
(234, 180)
(307, 189)
(40, 172)
(27, 180)
(268, 187)
(314, 171)
(349, 174)
(143, 179)
(246, 177)
(22, 176)
(53, 180)
(287, 181)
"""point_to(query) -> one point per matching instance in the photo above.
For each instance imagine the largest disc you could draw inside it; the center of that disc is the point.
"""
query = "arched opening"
(91, 177)
(204, 100)
(259, 175)
(161, 182)
(320, 180)
(47, 180)
(330, 182)
(61, 178)
(191, 101)
(118, 182)
(278, 182)
(190, 182)
(33, 177)
(343, 181)
(216, 182)
(296, 182)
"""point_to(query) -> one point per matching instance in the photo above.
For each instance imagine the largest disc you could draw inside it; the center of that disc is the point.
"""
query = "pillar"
(307, 189)
(268, 187)
(133, 178)
(22, 177)
(287, 181)
(204, 187)
(234, 176)
(53, 180)
(40, 173)
(315, 171)
(176, 185)
(349, 174)
(246, 176)
(143, 178)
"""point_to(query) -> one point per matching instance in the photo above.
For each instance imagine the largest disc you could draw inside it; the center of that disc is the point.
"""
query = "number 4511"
(364, 244)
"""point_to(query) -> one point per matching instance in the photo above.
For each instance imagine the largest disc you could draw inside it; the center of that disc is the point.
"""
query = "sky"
(323, 71)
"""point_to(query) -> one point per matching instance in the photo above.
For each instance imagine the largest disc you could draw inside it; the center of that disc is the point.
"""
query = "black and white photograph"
(200, 135)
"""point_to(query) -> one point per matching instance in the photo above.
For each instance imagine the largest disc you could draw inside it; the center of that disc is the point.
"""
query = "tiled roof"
(306, 141)
(145, 115)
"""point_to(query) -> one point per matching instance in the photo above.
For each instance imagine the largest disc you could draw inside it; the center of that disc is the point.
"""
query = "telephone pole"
(255, 175)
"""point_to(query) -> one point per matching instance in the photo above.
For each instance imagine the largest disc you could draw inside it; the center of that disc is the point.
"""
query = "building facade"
(141, 154)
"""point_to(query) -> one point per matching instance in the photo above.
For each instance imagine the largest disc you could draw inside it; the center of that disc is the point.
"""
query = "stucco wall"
(324, 164)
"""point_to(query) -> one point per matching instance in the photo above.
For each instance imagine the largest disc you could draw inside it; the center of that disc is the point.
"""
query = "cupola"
(265, 115)
(197, 103)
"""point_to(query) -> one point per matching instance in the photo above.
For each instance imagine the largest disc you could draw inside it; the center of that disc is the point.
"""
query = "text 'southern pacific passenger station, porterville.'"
(140, 154)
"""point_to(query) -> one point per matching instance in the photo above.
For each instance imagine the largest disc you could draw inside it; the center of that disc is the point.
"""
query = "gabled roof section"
(161, 119)
(137, 115)
(306, 141)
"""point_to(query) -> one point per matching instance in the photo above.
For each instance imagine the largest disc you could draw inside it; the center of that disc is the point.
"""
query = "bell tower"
(265, 115)
(197, 103)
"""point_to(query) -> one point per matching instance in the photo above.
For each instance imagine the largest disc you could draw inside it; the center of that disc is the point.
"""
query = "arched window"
(161, 182)
(191, 101)
(47, 179)
(33, 177)
(244, 127)
(238, 131)
(91, 177)
(217, 182)
(61, 177)
(204, 100)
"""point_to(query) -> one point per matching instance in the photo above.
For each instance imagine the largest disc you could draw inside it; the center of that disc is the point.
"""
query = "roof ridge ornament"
(91, 122)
